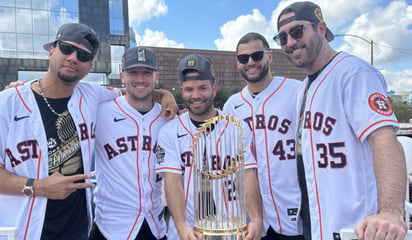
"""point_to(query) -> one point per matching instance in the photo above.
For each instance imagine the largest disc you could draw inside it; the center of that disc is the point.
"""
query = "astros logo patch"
(160, 154)
(380, 104)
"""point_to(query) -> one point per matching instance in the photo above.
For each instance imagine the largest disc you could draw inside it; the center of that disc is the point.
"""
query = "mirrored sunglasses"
(67, 49)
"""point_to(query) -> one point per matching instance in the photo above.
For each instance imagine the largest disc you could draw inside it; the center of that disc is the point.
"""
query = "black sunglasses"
(67, 49)
(256, 56)
(295, 32)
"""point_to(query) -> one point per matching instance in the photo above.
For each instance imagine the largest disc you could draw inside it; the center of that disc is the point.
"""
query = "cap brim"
(47, 46)
(329, 35)
(139, 65)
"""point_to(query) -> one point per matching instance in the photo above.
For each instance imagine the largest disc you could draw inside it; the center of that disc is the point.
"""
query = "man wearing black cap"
(126, 135)
(348, 153)
(174, 148)
(48, 131)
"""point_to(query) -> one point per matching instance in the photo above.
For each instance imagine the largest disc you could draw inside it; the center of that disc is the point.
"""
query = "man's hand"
(169, 106)
(384, 225)
(187, 233)
(254, 231)
(57, 186)
(15, 84)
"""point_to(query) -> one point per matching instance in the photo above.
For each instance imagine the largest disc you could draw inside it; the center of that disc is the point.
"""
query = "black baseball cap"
(198, 63)
(307, 11)
(79, 33)
(139, 57)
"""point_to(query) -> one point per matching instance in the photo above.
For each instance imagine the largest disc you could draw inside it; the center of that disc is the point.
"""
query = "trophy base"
(219, 231)
(226, 237)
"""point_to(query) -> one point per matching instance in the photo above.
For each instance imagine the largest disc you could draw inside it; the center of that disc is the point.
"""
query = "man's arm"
(168, 102)
(11, 184)
(175, 199)
(166, 99)
(55, 186)
(253, 206)
(390, 172)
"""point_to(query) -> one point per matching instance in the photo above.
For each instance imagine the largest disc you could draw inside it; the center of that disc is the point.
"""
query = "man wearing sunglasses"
(46, 142)
(267, 105)
(348, 153)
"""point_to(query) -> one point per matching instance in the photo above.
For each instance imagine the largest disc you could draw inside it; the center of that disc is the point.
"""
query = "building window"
(116, 52)
(28, 24)
(116, 17)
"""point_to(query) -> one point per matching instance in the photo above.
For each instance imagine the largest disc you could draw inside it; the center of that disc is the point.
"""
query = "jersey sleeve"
(228, 107)
(366, 104)
(108, 93)
(100, 93)
(167, 151)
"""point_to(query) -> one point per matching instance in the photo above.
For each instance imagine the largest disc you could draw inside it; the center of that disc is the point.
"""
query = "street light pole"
(364, 39)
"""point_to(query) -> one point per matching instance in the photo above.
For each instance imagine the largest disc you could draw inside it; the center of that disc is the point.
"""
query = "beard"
(67, 78)
(312, 52)
(259, 78)
(200, 111)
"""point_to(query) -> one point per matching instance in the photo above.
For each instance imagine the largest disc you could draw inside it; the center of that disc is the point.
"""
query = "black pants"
(144, 233)
(272, 235)
(304, 207)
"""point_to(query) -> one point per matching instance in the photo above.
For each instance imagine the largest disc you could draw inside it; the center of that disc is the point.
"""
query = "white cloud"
(336, 13)
(388, 28)
(142, 10)
(156, 39)
(233, 30)
(398, 81)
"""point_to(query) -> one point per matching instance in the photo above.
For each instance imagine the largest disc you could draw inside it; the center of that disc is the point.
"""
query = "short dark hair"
(251, 36)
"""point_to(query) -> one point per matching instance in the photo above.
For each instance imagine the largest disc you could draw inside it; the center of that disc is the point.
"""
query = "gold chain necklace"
(48, 104)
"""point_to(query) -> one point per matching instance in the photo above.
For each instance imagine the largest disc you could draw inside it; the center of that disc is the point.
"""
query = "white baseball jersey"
(272, 117)
(175, 142)
(24, 149)
(345, 103)
(128, 189)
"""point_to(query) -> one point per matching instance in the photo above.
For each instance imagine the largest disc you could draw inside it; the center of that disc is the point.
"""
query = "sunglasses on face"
(256, 56)
(82, 55)
(295, 32)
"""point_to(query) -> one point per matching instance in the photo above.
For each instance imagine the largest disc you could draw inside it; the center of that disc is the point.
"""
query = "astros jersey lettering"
(24, 148)
(175, 141)
(345, 103)
(272, 117)
(128, 189)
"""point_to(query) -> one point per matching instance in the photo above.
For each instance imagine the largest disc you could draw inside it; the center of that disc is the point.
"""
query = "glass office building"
(26, 25)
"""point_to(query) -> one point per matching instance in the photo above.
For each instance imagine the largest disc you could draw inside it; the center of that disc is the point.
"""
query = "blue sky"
(218, 25)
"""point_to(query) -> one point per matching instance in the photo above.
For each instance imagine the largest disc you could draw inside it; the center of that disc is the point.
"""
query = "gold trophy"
(219, 188)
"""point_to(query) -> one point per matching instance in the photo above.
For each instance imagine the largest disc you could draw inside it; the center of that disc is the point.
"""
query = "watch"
(28, 188)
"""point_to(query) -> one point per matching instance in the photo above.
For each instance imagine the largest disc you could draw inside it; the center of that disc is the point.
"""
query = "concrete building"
(29, 24)
(224, 65)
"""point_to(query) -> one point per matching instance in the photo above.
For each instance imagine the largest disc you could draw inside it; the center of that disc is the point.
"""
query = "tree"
(223, 94)
(178, 98)
(402, 111)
